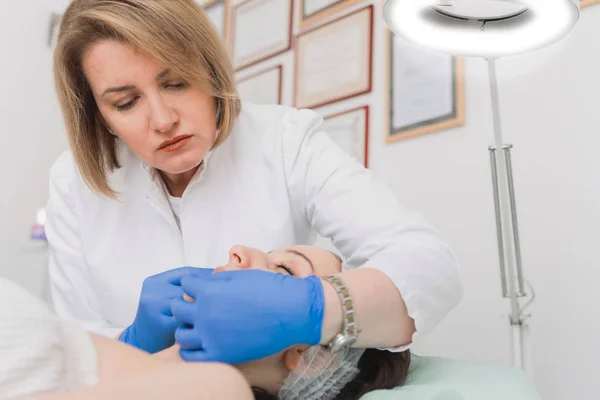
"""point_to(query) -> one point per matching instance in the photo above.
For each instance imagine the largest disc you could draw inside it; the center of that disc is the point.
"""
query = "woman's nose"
(239, 256)
(163, 116)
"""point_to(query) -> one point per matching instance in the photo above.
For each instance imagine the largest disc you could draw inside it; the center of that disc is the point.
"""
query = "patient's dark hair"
(379, 369)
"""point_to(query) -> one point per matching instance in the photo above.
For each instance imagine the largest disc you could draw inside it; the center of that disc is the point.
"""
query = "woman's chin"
(177, 165)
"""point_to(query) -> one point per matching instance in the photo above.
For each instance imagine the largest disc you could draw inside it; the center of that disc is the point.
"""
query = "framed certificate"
(263, 87)
(312, 11)
(350, 130)
(260, 29)
(585, 3)
(424, 91)
(334, 61)
(218, 12)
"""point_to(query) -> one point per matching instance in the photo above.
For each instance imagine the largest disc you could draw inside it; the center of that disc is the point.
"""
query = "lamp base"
(480, 10)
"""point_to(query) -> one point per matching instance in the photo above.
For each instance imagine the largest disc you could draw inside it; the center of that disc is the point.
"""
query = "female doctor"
(168, 169)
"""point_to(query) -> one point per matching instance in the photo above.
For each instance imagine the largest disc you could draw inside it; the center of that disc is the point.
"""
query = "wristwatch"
(349, 334)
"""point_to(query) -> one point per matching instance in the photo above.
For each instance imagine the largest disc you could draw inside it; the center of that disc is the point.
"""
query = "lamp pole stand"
(489, 29)
(509, 250)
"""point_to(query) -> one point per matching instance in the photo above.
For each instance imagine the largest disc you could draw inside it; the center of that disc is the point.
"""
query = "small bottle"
(38, 231)
(39, 251)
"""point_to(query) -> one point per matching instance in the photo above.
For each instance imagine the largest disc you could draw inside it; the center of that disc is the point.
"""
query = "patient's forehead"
(325, 262)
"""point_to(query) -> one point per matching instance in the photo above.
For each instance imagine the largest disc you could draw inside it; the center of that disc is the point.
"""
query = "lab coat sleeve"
(342, 201)
(73, 293)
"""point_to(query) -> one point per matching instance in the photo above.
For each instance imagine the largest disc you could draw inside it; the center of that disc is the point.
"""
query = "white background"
(549, 105)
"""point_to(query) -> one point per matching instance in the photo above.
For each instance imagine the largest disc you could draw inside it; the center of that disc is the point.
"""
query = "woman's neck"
(177, 183)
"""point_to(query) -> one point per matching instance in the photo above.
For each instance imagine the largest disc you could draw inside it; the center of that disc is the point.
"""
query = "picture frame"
(423, 98)
(249, 45)
(262, 87)
(311, 12)
(334, 61)
(218, 11)
(350, 130)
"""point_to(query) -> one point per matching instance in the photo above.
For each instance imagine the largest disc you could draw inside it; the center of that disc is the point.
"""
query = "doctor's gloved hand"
(153, 328)
(239, 316)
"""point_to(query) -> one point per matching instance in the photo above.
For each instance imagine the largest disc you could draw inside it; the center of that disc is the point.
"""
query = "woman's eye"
(126, 106)
(285, 268)
(179, 85)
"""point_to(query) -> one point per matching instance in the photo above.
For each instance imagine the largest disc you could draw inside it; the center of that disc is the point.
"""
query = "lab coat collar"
(157, 192)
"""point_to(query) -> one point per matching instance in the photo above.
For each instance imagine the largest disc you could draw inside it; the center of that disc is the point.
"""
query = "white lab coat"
(275, 182)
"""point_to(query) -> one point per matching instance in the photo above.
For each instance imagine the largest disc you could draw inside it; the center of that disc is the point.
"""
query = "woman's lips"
(175, 144)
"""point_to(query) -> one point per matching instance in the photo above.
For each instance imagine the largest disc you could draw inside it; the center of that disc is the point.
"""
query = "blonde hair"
(176, 33)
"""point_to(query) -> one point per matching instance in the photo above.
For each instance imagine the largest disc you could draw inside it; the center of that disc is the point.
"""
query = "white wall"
(548, 113)
(548, 116)
(32, 135)
(549, 101)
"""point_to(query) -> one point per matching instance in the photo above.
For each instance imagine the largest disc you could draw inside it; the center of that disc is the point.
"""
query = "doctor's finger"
(195, 287)
(172, 292)
(183, 311)
(201, 272)
(174, 276)
(198, 288)
(187, 338)
(195, 355)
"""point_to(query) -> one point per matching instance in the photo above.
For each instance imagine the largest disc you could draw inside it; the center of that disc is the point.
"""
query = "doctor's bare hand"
(154, 326)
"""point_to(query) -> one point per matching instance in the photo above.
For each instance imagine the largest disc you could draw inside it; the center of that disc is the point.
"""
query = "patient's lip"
(188, 298)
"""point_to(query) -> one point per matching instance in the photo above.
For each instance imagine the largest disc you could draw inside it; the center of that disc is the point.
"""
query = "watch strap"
(350, 328)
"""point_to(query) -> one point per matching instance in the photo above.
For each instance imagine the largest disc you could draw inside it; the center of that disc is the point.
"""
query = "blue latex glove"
(154, 326)
(240, 316)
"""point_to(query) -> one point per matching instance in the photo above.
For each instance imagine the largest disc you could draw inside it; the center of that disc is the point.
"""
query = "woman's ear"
(291, 356)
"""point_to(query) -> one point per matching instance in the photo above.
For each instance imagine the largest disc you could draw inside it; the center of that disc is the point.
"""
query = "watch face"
(348, 340)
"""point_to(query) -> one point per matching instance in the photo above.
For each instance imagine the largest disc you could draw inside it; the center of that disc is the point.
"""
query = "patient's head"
(298, 261)
(377, 369)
